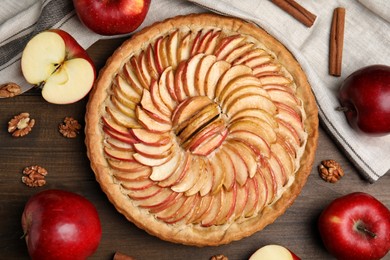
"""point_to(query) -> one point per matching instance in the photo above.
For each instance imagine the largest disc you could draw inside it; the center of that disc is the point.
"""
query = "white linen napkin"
(366, 42)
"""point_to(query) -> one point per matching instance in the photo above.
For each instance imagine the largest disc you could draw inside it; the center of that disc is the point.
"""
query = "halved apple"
(55, 61)
(274, 252)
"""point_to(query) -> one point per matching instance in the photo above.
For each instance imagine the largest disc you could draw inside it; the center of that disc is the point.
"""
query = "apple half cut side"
(55, 61)
(274, 252)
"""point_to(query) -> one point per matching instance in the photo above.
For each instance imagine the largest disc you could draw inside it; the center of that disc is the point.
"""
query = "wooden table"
(68, 168)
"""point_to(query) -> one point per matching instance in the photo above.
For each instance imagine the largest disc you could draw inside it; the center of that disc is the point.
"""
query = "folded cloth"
(366, 42)
(20, 20)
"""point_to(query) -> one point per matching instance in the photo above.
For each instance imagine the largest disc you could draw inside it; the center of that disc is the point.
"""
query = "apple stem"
(362, 228)
(342, 109)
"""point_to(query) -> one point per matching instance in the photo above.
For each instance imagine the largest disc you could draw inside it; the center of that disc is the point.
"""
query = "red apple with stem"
(54, 61)
(60, 225)
(365, 99)
(112, 17)
(356, 226)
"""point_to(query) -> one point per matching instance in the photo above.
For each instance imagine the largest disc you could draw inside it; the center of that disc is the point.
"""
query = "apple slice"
(148, 160)
(228, 44)
(215, 73)
(210, 144)
(141, 174)
(240, 92)
(180, 93)
(113, 126)
(258, 113)
(149, 122)
(253, 198)
(247, 155)
(228, 167)
(184, 211)
(274, 252)
(218, 173)
(204, 66)
(202, 181)
(163, 171)
(151, 63)
(278, 170)
(275, 80)
(122, 107)
(189, 108)
(189, 74)
(121, 119)
(202, 208)
(257, 52)
(258, 61)
(126, 89)
(149, 106)
(166, 87)
(154, 151)
(172, 47)
(179, 172)
(231, 74)
(216, 126)
(284, 157)
(156, 201)
(187, 128)
(170, 211)
(212, 43)
(239, 51)
(55, 61)
(209, 218)
(250, 101)
(161, 51)
(142, 61)
(241, 201)
(238, 82)
(252, 140)
(126, 166)
(118, 154)
(150, 138)
(136, 67)
(292, 118)
(184, 49)
(117, 136)
(240, 166)
(204, 41)
(191, 177)
(255, 126)
(146, 193)
(209, 179)
(158, 102)
(228, 207)
(132, 78)
(267, 69)
(196, 43)
(136, 185)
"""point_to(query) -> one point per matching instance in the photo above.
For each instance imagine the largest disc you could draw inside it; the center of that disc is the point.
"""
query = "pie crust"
(201, 129)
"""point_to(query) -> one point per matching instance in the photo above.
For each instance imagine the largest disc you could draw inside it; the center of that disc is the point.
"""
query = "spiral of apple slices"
(203, 127)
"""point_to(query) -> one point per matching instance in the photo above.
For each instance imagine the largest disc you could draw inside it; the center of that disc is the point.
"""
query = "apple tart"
(201, 129)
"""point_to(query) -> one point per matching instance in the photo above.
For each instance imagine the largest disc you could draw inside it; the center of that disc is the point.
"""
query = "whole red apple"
(112, 17)
(60, 225)
(356, 226)
(365, 99)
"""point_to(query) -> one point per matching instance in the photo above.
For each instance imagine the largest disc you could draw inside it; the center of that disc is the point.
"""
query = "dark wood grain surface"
(68, 168)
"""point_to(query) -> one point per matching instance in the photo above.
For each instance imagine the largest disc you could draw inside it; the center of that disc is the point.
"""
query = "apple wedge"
(172, 47)
(204, 66)
(210, 144)
(185, 46)
(238, 51)
(149, 122)
(250, 100)
(189, 108)
(212, 77)
(231, 74)
(236, 83)
(55, 61)
(249, 55)
(257, 113)
(227, 45)
(212, 43)
(241, 92)
(149, 106)
(163, 171)
(179, 172)
(166, 88)
(275, 252)
(189, 75)
(141, 174)
(126, 90)
(202, 208)
(191, 177)
(150, 138)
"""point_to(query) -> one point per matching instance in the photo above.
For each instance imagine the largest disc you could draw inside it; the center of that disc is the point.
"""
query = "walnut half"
(69, 128)
(10, 90)
(330, 171)
(34, 176)
(20, 125)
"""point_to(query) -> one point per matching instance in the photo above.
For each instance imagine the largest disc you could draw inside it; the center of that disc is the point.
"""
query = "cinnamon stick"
(336, 41)
(297, 11)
